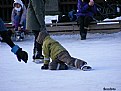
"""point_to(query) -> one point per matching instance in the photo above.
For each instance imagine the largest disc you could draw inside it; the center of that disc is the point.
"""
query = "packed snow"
(101, 51)
(49, 18)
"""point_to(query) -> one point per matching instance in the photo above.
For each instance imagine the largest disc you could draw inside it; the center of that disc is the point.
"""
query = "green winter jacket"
(51, 48)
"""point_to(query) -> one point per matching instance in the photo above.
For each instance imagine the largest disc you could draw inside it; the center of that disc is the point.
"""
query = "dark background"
(52, 7)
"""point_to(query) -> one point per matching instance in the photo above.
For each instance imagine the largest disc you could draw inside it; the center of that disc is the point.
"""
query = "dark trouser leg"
(17, 19)
(74, 62)
(82, 30)
(57, 65)
(66, 58)
(7, 38)
(37, 46)
(84, 21)
(87, 21)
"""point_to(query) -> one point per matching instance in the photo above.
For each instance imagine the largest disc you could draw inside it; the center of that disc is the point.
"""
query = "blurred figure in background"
(18, 17)
(85, 12)
(72, 15)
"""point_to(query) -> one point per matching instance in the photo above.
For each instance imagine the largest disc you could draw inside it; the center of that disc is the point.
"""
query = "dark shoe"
(45, 67)
(79, 63)
(22, 36)
(83, 38)
(38, 56)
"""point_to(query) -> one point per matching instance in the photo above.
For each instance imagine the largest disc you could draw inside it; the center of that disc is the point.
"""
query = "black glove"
(45, 67)
(22, 55)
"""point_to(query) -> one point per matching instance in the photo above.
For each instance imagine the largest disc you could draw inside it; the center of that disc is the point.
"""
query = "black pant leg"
(87, 21)
(37, 46)
(84, 21)
(81, 25)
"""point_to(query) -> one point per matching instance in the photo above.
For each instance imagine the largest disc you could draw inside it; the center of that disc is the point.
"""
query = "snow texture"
(101, 51)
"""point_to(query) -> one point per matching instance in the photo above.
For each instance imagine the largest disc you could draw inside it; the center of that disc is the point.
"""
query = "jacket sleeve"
(83, 7)
(23, 16)
(46, 54)
(78, 5)
(12, 17)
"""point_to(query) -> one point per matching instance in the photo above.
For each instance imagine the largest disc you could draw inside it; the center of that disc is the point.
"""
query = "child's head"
(17, 7)
(42, 35)
(18, 4)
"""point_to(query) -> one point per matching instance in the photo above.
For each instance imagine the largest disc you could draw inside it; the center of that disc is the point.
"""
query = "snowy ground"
(101, 51)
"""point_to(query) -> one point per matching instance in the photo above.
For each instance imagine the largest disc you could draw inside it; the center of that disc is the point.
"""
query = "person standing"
(85, 13)
(36, 23)
(21, 55)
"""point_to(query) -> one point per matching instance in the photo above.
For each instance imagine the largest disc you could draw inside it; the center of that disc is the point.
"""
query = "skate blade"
(38, 61)
(87, 68)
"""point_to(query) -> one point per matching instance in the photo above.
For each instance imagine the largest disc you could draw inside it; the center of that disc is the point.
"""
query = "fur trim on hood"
(18, 1)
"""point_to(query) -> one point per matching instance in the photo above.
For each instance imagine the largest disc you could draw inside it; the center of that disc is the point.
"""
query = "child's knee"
(54, 65)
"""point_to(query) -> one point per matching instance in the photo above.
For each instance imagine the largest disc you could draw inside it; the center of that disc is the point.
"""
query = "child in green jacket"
(61, 59)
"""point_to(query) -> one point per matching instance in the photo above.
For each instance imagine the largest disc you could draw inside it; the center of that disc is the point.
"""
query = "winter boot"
(22, 35)
(86, 68)
(38, 57)
(83, 36)
(79, 63)
(17, 35)
(82, 65)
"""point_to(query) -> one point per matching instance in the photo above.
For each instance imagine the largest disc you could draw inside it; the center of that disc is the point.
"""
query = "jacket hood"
(18, 1)
(42, 35)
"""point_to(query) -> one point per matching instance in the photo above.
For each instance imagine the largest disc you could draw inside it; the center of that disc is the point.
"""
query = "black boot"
(37, 56)
(83, 36)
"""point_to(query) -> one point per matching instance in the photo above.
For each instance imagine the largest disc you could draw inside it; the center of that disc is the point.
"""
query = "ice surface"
(101, 51)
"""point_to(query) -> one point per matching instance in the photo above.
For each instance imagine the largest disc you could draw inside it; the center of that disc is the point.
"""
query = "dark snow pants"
(84, 22)
(37, 46)
(65, 57)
